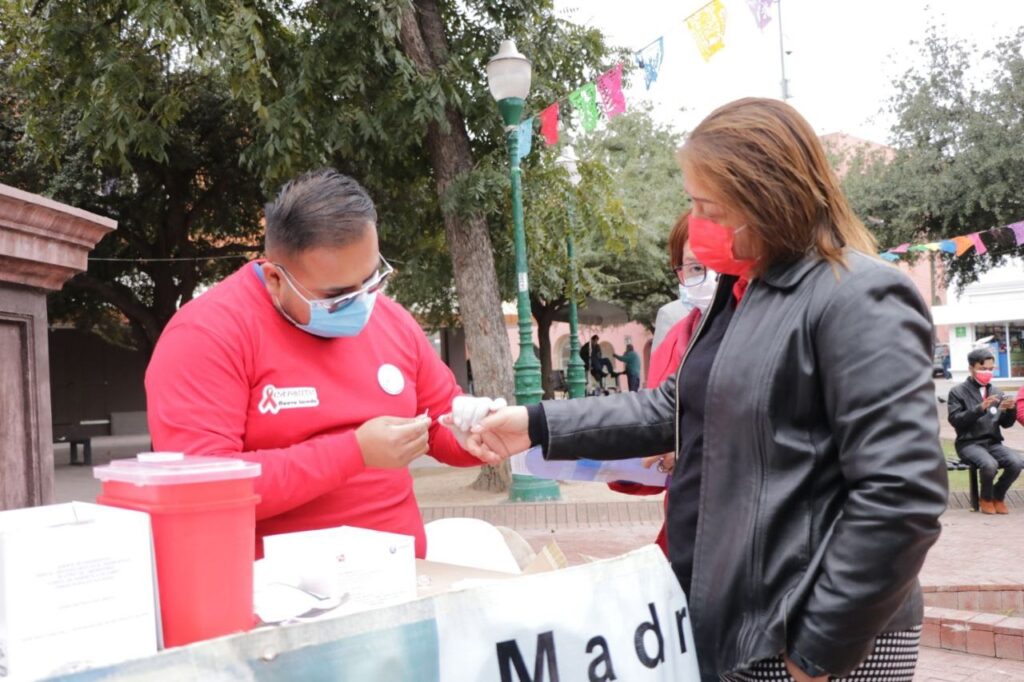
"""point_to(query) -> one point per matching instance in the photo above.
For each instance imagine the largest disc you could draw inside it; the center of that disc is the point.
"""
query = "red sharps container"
(203, 511)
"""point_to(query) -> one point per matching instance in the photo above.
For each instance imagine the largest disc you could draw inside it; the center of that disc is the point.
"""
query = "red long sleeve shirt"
(231, 377)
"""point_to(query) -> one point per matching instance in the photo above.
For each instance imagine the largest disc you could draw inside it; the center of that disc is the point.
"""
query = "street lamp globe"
(508, 76)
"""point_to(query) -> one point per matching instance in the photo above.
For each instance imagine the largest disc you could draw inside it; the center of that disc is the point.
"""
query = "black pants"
(601, 369)
(633, 380)
(989, 457)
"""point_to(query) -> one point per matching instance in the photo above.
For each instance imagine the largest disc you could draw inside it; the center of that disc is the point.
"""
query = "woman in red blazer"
(697, 283)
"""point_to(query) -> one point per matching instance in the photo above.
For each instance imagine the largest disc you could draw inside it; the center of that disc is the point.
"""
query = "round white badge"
(390, 379)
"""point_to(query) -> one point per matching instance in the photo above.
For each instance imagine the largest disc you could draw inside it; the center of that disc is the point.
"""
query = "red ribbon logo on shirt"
(275, 398)
(268, 404)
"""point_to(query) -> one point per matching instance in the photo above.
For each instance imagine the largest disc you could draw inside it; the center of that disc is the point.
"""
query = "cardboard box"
(366, 568)
(77, 589)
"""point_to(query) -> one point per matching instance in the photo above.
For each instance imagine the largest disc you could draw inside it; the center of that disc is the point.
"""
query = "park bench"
(120, 424)
(957, 465)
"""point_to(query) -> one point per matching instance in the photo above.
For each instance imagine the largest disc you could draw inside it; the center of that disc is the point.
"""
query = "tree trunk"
(543, 314)
(476, 281)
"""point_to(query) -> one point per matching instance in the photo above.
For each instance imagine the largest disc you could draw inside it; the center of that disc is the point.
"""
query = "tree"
(392, 91)
(958, 164)
(629, 198)
(554, 209)
(171, 179)
(640, 155)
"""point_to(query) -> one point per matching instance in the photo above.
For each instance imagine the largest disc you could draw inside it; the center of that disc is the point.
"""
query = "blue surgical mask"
(701, 295)
(342, 316)
(348, 321)
(683, 297)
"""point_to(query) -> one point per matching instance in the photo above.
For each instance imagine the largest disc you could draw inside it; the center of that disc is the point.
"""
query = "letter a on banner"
(609, 84)
(649, 59)
(549, 124)
(761, 9)
(707, 25)
(584, 101)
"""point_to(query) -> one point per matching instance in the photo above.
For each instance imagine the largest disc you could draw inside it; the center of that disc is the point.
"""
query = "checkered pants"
(893, 659)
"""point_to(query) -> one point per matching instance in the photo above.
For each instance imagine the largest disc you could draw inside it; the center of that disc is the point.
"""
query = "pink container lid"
(175, 468)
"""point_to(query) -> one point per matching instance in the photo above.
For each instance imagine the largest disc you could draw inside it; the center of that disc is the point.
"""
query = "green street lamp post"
(508, 77)
(576, 376)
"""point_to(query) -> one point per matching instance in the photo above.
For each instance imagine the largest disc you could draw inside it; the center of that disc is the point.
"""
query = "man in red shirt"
(300, 363)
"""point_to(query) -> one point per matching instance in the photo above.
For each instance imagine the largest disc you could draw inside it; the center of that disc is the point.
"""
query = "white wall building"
(991, 311)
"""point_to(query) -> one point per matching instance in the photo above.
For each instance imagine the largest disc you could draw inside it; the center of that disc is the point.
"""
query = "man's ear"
(272, 276)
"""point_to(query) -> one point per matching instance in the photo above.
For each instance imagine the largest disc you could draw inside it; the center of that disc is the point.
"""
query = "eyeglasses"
(372, 285)
(691, 274)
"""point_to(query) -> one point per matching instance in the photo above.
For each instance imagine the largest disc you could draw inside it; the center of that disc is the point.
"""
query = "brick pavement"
(937, 665)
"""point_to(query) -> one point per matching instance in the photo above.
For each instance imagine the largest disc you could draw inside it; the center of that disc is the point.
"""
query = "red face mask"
(983, 376)
(712, 246)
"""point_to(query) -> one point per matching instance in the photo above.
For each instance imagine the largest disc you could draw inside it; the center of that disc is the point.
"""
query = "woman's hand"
(666, 463)
(799, 675)
(499, 436)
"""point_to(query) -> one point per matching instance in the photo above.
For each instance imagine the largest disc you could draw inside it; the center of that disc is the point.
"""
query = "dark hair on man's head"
(594, 337)
(629, 347)
(978, 356)
(320, 208)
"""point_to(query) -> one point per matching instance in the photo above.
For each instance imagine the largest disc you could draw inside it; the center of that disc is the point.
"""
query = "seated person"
(593, 357)
(978, 413)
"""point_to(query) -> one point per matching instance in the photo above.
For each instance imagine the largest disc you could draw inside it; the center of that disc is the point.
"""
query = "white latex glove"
(467, 412)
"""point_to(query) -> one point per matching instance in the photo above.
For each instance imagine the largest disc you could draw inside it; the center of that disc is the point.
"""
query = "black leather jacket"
(972, 423)
(823, 478)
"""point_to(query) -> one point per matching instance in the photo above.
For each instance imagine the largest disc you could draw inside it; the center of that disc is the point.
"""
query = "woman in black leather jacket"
(809, 478)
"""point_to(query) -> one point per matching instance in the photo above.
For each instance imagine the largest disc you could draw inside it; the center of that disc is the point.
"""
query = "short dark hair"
(594, 337)
(978, 356)
(629, 346)
(319, 208)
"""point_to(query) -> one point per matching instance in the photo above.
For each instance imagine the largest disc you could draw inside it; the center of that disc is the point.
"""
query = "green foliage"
(153, 104)
(640, 155)
(134, 136)
(959, 152)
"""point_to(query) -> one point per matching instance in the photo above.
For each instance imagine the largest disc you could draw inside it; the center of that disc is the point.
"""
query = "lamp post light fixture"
(576, 375)
(508, 77)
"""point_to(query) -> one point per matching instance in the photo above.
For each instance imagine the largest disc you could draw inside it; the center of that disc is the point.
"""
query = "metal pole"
(577, 374)
(527, 367)
(782, 58)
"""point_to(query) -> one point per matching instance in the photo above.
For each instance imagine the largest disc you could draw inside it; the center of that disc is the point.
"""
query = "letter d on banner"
(641, 646)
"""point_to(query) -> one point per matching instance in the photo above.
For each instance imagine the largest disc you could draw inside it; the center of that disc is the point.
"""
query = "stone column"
(43, 243)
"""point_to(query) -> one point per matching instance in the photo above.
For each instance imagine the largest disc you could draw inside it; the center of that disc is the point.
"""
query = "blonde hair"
(762, 159)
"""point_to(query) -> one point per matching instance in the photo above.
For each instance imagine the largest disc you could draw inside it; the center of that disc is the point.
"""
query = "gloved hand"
(467, 412)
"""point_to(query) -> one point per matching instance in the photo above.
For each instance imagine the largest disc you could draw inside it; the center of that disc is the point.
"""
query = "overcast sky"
(843, 57)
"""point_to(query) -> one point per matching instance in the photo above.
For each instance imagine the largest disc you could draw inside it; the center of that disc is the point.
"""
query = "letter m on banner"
(510, 657)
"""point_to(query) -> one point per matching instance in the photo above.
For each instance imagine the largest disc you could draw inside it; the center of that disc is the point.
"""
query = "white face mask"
(701, 295)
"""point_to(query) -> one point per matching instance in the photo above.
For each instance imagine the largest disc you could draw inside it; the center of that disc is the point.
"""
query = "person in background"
(593, 357)
(979, 414)
(300, 363)
(678, 308)
(699, 283)
(631, 359)
(809, 477)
